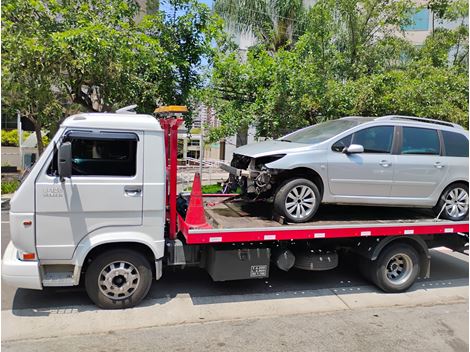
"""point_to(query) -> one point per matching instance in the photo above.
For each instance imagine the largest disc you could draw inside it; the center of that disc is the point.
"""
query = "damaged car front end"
(253, 175)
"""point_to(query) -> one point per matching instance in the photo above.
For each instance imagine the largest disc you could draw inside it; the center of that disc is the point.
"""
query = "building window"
(419, 21)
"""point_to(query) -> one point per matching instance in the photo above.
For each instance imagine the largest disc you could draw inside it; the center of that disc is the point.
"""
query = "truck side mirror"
(353, 149)
(65, 160)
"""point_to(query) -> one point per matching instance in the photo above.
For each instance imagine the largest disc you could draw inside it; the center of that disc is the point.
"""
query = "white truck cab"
(111, 196)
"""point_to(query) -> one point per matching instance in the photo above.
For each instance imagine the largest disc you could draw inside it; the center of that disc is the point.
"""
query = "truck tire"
(297, 200)
(118, 279)
(454, 200)
(396, 268)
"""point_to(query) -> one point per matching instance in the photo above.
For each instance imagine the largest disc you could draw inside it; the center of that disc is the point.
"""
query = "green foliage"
(275, 23)
(60, 57)
(10, 186)
(10, 138)
(212, 189)
(351, 60)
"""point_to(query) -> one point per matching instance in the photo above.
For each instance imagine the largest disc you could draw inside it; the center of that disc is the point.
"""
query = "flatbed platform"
(245, 221)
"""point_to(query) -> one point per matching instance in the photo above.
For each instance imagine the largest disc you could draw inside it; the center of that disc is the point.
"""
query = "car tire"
(453, 203)
(297, 200)
(116, 269)
(396, 268)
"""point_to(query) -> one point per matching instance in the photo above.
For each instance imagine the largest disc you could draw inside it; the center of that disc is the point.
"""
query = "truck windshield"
(322, 131)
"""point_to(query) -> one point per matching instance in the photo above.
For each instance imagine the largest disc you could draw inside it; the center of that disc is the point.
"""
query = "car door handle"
(385, 163)
(132, 191)
(438, 165)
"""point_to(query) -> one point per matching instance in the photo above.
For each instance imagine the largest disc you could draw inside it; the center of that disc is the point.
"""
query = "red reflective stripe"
(303, 234)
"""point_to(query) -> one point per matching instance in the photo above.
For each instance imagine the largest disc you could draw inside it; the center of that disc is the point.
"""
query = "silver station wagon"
(398, 161)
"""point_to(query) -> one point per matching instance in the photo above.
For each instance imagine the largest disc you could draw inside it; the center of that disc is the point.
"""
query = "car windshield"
(322, 131)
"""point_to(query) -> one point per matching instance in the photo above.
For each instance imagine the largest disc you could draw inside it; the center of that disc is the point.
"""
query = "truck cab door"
(105, 189)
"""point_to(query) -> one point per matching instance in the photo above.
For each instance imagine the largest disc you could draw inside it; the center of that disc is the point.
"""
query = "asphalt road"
(189, 296)
(428, 329)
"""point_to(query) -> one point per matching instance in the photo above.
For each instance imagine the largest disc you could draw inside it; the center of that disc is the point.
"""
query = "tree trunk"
(37, 130)
(242, 137)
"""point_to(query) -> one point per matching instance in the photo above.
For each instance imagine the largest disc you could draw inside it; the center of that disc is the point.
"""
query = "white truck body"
(71, 217)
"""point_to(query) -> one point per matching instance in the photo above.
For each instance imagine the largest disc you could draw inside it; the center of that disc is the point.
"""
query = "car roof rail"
(419, 119)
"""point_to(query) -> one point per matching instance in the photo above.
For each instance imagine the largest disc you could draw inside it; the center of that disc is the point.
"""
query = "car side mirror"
(65, 160)
(353, 149)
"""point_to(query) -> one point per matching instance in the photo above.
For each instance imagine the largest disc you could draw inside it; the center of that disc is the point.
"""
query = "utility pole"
(20, 138)
(201, 149)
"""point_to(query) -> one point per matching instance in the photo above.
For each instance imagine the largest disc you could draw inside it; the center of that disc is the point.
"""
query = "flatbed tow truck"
(115, 230)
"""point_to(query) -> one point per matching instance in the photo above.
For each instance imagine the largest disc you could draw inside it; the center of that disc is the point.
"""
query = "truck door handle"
(438, 165)
(385, 163)
(132, 191)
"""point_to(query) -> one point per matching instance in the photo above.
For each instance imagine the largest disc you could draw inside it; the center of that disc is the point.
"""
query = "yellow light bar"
(175, 109)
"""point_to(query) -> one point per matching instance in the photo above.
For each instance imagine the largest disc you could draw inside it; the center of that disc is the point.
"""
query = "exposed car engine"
(258, 178)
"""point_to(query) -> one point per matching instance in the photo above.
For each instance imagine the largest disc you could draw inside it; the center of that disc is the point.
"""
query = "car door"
(105, 189)
(420, 168)
(367, 174)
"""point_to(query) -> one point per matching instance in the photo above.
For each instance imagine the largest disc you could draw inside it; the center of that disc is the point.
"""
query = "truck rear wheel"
(118, 279)
(396, 268)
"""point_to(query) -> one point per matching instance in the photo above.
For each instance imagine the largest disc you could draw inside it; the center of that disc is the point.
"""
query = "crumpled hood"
(256, 150)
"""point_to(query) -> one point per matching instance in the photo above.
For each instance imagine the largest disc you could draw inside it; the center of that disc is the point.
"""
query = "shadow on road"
(446, 271)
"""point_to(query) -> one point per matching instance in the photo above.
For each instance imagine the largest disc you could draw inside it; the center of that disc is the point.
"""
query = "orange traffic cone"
(195, 216)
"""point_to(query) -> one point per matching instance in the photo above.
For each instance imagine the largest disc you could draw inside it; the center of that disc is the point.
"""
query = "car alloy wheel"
(300, 202)
(456, 202)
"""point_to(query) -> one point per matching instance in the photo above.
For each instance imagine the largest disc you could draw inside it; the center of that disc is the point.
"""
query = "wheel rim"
(300, 202)
(399, 268)
(456, 202)
(118, 280)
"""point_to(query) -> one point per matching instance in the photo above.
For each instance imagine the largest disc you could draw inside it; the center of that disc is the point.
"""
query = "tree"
(274, 23)
(94, 56)
(362, 67)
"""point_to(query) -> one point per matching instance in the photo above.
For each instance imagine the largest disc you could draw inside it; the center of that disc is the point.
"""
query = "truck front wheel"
(396, 268)
(118, 279)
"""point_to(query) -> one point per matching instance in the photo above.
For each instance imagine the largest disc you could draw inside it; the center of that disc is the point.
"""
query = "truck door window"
(100, 157)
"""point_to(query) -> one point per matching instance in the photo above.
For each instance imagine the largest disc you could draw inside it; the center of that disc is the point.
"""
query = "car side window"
(377, 139)
(455, 144)
(420, 141)
(341, 144)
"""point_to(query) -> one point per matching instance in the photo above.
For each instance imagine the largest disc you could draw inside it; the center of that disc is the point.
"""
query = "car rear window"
(456, 144)
(422, 141)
